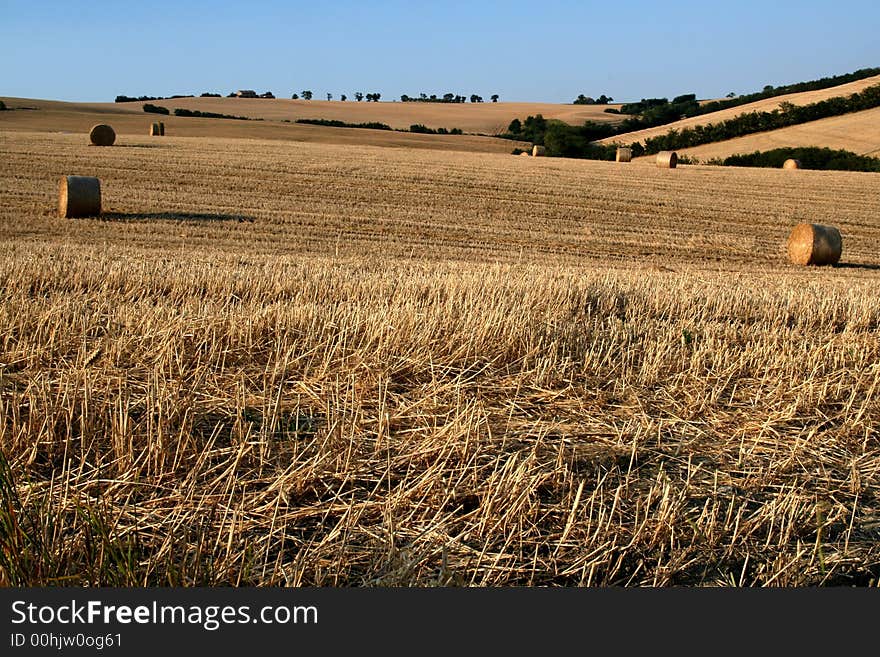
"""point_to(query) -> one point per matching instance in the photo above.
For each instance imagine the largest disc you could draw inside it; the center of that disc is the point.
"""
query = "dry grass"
(858, 132)
(767, 105)
(56, 117)
(540, 381)
(476, 118)
(480, 118)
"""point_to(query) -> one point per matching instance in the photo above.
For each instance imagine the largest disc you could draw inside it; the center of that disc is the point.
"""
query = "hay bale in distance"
(154, 130)
(161, 129)
(667, 159)
(538, 150)
(814, 244)
(624, 154)
(525, 153)
(79, 196)
(102, 135)
(791, 164)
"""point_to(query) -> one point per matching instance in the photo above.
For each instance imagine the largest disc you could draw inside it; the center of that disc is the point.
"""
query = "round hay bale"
(814, 244)
(102, 135)
(538, 150)
(154, 130)
(79, 196)
(161, 129)
(791, 164)
(624, 154)
(667, 159)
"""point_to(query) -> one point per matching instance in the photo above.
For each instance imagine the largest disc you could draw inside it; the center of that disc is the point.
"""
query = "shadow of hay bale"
(133, 217)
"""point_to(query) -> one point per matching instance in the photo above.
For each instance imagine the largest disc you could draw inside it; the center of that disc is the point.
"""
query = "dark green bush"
(155, 109)
(809, 157)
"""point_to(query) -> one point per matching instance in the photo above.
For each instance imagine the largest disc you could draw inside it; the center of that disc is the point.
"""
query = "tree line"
(749, 123)
(446, 98)
(563, 140)
(810, 158)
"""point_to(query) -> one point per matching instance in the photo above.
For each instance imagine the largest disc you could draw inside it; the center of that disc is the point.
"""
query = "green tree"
(358, 96)
(495, 98)
(307, 95)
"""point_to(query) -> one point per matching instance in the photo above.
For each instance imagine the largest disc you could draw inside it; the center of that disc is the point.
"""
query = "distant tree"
(343, 98)
(584, 100)
(495, 98)
(432, 97)
(404, 98)
(476, 99)
(603, 100)
(358, 96)
(731, 95)
(424, 96)
(2, 106)
(448, 98)
(307, 95)
(329, 96)
(295, 96)
(375, 97)
(515, 127)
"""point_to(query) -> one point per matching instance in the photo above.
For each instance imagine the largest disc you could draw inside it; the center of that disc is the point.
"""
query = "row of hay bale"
(808, 244)
(669, 159)
(104, 135)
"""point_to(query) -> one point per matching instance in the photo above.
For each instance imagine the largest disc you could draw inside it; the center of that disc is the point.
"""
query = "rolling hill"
(766, 105)
(31, 115)
(474, 118)
(858, 132)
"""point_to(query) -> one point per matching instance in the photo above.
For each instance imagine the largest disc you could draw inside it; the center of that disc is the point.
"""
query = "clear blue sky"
(544, 50)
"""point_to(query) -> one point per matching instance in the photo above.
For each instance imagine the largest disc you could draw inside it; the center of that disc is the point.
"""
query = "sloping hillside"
(129, 119)
(858, 132)
(476, 118)
(767, 105)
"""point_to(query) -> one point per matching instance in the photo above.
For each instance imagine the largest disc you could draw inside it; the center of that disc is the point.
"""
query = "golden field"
(485, 118)
(766, 105)
(274, 362)
(858, 132)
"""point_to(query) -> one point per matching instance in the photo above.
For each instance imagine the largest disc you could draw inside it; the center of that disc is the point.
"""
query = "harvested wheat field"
(474, 118)
(766, 105)
(858, 132)
(273, 362)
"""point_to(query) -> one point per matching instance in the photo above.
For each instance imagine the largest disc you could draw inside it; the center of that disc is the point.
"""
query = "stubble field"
(278, 363)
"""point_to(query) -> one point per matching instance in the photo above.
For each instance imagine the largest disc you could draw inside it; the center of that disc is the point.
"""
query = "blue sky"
(542, 51)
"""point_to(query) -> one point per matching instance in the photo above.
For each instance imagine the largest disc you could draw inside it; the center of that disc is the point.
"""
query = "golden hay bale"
(667, 159)
(102, 135)
(624, 154)
(154, 130)
(538, 151)
(814, 244)
(791, 164)
(79, 196)
(161, 129)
